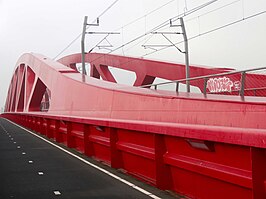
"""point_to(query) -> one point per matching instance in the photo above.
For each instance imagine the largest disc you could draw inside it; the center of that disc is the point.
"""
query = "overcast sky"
(48, 26)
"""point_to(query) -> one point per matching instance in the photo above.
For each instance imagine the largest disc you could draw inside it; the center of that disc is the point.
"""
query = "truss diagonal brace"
(172, 44)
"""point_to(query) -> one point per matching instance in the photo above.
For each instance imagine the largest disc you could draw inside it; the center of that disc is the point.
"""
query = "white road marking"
(93, 165)
(40, 173)
(30, 162)
(3, 128)
(57, 193)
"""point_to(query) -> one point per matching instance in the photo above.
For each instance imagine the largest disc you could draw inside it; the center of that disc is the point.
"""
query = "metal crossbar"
(241, 90)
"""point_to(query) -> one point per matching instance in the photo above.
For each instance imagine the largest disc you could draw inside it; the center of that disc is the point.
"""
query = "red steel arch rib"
(175, 141)
(146, 70)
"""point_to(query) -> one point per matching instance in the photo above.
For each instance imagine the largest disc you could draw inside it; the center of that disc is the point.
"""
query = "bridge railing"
(251, 82)
(198, 161)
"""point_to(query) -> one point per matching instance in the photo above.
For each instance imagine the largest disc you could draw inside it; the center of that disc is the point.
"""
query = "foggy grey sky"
(48, 26)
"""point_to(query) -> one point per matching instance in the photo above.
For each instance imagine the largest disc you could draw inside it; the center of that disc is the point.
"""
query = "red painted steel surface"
(201, 146)
(146, 70)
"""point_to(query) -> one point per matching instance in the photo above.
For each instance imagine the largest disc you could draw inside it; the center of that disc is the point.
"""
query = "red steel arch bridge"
(209, 144)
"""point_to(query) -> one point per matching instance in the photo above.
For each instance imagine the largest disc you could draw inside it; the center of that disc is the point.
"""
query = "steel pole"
(83, 45)
(186, 53)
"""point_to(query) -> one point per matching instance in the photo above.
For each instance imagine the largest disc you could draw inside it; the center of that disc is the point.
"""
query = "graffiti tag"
(221, 84)
(237, 85)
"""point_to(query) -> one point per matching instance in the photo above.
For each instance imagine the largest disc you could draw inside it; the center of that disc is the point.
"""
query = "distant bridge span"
(209, 145)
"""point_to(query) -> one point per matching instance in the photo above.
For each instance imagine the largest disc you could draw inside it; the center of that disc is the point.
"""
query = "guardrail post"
(69, 136)
(40, 125)
(242, 89)
(32, 122)
(48, 123)
(254, 92)
(23, 120)
(258, 157)
(177, 87)
(116, 158)
(205, 86)
(57, 135)
(88, 148)
(43, 126)
(27, 121)
(163, 175)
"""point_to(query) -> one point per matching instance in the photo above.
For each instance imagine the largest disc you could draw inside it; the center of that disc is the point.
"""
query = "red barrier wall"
(191, 163)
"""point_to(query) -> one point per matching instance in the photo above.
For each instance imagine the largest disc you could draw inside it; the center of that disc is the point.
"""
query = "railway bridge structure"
(209, 144)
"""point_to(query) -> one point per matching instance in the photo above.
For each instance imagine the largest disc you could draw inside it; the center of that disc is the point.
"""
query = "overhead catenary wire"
(189, 12)
(139, 42)
(165, 23)
(137, 19)
(200, 34)
(99, 42)
(213, 30)
(77, 37)
(219, 8)
(194, 37)
(198, 18)
(149, 13)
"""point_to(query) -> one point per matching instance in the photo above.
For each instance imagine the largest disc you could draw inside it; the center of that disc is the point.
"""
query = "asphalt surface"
(31, 168)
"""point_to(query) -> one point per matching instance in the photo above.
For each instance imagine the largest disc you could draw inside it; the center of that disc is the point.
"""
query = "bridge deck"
(33, 168)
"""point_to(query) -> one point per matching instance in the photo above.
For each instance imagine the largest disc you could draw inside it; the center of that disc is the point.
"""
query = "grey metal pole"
(186, 53)
(83, 45)
(242, 89)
